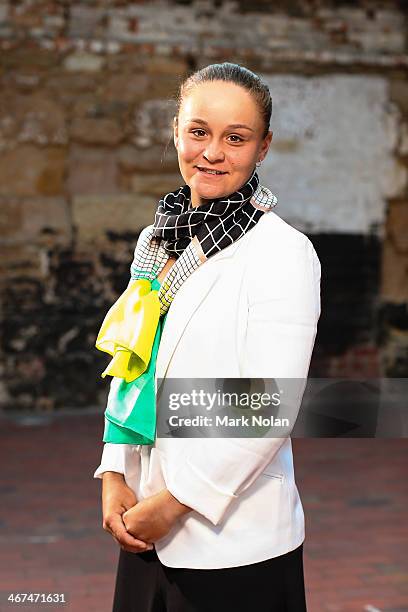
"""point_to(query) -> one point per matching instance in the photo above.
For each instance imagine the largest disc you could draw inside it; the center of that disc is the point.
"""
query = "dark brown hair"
(231, 73)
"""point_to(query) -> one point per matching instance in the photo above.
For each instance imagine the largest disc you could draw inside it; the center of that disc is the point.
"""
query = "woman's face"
(219, 127)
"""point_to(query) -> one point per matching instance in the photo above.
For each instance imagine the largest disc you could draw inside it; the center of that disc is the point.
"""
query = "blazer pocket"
(270, 473)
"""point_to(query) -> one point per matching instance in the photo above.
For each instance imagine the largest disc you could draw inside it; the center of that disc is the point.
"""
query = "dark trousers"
(144, 584)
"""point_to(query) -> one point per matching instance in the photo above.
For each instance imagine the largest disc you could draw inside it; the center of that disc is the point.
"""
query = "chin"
(211, 191)
(211, 194)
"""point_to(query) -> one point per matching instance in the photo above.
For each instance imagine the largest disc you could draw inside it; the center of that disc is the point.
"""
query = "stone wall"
(86, 103)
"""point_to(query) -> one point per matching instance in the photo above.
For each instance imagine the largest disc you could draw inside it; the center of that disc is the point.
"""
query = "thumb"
(122, 536)
(129, 499)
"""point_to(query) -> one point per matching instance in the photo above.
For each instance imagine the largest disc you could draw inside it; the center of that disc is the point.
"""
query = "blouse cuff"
(114, 458)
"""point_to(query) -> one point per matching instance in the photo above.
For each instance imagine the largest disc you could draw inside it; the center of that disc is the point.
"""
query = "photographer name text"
(226, 421)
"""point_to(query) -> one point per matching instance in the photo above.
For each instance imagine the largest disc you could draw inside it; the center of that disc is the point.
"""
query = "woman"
(217, 523)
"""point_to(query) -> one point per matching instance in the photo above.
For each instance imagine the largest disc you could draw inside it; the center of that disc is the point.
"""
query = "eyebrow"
(234, 125)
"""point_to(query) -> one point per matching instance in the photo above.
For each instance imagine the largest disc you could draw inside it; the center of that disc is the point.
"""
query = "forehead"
(219, 102)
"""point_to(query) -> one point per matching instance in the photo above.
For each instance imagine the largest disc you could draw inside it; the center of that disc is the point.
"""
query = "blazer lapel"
(184, 306)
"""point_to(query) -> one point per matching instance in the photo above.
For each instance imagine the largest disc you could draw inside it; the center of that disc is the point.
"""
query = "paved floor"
(354, 494)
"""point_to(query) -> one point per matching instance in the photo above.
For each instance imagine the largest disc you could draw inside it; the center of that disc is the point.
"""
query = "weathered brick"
(107, 71)
(96, 216)
(101, 131)
(29, 171)
(395, 254)
(150, 160)
(40, 221)
(91, 170)
(83, 62)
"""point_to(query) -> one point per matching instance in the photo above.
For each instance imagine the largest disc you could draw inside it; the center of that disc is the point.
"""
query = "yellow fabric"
(128, 330)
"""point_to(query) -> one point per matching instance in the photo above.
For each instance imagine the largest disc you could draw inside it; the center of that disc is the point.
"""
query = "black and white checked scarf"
(192, 235)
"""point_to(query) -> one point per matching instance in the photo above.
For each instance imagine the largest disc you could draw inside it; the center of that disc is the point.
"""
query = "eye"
(236, 136)
(197, 130)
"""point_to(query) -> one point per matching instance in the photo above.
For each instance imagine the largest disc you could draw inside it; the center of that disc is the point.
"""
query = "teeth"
(212, 171)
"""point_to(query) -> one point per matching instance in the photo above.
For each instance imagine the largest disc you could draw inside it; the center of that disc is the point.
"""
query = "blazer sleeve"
(283, 311)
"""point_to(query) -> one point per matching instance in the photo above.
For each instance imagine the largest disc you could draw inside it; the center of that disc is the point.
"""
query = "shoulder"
(279, 259)
(274, 237)
(273, 232)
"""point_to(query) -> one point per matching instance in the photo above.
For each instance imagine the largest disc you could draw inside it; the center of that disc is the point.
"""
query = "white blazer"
(251, 310)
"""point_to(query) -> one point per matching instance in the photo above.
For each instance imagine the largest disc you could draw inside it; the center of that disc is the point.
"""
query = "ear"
(266, 144)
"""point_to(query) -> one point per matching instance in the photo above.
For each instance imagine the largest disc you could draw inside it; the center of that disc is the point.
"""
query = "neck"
(197, 201)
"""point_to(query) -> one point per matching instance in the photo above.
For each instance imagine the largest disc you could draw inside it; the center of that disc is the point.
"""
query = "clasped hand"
(153, 517)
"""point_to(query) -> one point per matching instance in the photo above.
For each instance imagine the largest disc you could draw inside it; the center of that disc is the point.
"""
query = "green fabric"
(130, 415)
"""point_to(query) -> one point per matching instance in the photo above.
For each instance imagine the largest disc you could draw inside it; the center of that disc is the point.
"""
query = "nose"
(213, 152)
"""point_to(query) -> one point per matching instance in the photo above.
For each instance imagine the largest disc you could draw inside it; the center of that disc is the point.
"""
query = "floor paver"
(354, 493)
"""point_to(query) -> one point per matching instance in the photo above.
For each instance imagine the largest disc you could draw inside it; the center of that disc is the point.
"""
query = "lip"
(209, 175)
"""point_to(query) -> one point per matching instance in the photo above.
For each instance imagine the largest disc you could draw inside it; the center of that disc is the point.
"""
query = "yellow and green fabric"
(131, 333)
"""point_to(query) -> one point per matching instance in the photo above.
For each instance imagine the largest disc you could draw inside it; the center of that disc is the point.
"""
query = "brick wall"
(86, 150)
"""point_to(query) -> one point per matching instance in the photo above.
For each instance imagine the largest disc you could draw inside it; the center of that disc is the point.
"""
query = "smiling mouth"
(210, 171)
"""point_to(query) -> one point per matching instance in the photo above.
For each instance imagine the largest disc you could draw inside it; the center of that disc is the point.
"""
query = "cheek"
(189, 149)
(242, 158)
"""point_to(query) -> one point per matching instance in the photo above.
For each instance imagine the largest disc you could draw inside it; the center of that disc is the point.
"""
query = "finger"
(129, 542)
(131, 549)
(138, 547)
(124, 538)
